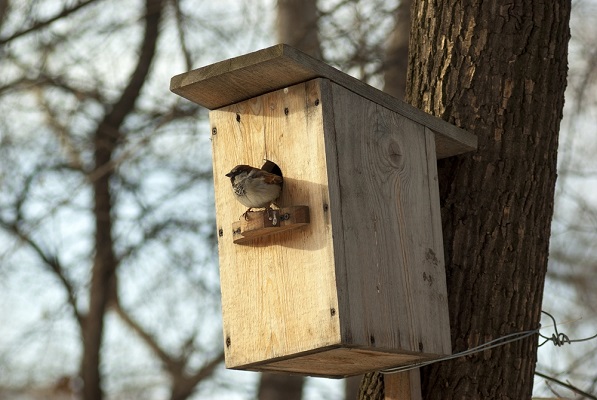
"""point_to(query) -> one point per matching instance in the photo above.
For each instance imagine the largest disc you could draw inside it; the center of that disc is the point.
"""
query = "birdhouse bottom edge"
(336, 362)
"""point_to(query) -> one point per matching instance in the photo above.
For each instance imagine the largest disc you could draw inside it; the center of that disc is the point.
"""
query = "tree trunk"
(497, 69)
(280, 386)
(396, 62)
(296, 25)
(105, 263)
(372, 387)
(352, 386)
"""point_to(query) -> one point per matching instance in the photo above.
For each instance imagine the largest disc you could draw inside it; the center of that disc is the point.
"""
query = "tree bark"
(497, 69)
(372, 387)
(105, 263)
(352, 386)
(280, 386)
(296, 25)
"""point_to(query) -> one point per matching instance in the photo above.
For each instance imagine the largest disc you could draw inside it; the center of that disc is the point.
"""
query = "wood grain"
(391, 228)
(338, 362)
(403, 386)
(259, 224)
(278, 294)
(362, 286)
(250, 75)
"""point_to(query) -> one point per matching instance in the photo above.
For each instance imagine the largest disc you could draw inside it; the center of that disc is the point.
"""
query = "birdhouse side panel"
(278, 292)
(393, 250)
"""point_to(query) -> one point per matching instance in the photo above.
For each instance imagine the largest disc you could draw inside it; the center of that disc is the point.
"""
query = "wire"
(512, 337)
(558, 339)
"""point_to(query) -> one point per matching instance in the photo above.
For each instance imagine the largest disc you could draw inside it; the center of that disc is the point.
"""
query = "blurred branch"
(587, 77)
(107, 136)
(168, 362)
(51, 261)
(184, 386)
(566, 385)
(4, 6)
(125, 105)
(153, 232)
(585, 359)
(181, 34)
(182, 383)
(577, 173)
(41, 24)
(62, 133)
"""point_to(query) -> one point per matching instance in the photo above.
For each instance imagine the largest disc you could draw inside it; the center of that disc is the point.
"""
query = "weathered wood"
(264, 223)
(391, 228)
(250, 75)
(362, 286)
(403, 386)
(279, 294)
(338, 362)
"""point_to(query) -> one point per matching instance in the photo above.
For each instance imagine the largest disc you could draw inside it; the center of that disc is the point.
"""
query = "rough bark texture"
(297, 25)
(106, 138)
(372, 387)
(497, 69)
(396, 63)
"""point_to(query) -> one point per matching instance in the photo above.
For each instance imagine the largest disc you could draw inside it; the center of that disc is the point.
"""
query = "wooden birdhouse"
(348, 275)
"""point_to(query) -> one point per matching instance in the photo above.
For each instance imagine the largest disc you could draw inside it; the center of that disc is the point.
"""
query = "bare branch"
(106, 138)
(125, 105)
(51, 261)
(181, 34)
(169, 362)
(41, 24)
(185, 385)
(4, 6)
(566, 385)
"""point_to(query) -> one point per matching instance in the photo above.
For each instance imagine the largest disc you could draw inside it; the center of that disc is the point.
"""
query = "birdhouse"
(346, 275)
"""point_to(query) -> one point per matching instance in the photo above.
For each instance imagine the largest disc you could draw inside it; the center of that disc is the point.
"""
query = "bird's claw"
(245, 215)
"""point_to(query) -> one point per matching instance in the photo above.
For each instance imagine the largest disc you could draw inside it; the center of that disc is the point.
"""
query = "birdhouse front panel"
(279, 292)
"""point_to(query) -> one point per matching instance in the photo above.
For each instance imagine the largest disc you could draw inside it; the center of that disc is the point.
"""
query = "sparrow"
(254, 187)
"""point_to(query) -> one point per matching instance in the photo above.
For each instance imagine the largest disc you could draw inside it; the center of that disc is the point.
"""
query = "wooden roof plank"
(250, 75)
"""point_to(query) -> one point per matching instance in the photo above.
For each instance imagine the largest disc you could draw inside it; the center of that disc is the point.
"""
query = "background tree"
(106, 198)
(570, 287)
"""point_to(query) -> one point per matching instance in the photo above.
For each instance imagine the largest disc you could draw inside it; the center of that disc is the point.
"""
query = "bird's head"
(238, 170)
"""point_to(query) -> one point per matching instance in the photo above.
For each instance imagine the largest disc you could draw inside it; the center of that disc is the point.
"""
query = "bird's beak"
(229, 174)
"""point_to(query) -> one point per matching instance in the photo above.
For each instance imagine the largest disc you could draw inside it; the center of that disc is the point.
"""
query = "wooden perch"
(264, 223)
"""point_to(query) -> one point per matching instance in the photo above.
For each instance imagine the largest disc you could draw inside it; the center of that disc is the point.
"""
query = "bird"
(254, 187)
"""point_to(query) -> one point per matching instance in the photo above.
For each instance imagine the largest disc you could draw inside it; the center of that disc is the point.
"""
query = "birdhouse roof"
(250, 75)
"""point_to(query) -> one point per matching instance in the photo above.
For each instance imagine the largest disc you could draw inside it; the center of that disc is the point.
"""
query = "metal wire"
(557, 338)
(560, 339)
